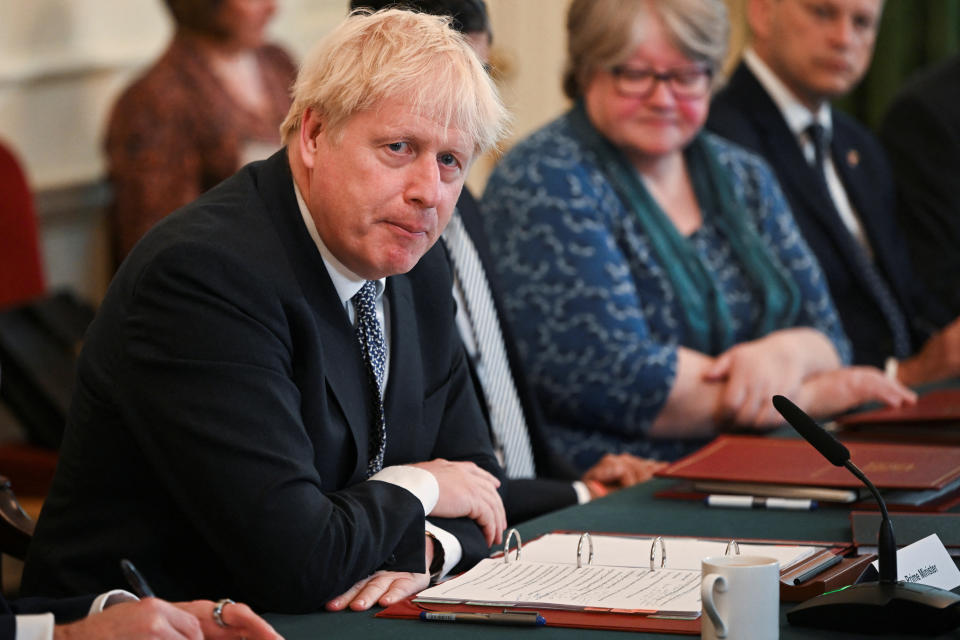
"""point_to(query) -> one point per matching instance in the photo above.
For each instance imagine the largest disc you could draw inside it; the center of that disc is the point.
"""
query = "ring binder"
(589, 538)
(653, 552)
(735, 546)
(506, 546)
(531, 585)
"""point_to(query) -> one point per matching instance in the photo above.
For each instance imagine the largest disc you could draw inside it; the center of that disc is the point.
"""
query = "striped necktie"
(889, 307)
(374, 357)
(506, 415)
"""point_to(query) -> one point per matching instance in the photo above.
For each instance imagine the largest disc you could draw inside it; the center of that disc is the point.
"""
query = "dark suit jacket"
(745, 113)
(64, 610)
(218, 436)
(921, 133)
(552, 489)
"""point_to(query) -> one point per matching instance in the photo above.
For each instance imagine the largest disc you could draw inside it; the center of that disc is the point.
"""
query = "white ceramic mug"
(741, 598)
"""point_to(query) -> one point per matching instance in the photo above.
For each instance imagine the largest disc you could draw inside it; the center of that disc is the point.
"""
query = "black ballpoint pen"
(817, 569)
(135, 580)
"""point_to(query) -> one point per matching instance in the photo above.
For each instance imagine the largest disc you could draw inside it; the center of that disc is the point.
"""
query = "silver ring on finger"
(218, 611)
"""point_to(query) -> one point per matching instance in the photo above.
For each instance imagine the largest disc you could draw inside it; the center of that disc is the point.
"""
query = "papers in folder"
(618, 579)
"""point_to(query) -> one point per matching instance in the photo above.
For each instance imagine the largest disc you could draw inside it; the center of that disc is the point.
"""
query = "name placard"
(927, 562)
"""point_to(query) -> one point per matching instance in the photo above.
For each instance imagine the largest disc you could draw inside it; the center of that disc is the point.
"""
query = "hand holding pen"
(223, 620)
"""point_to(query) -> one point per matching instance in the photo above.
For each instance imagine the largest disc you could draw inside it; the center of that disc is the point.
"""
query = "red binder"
(560, 618)
(934, 408)
(932, 420)
(835, 577)
(759, 460)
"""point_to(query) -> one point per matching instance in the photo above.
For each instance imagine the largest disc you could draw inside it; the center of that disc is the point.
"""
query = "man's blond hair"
(393, 54)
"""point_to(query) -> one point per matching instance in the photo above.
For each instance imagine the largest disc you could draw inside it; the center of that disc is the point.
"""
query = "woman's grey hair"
(603, 33)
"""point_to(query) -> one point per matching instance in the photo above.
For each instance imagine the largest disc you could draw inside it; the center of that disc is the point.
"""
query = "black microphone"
(888, 606)
(823, 441)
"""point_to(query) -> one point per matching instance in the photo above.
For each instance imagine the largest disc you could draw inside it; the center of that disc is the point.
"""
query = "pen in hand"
(135, 580)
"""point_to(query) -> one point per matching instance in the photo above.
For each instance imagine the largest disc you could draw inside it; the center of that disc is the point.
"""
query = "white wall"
(529, 41)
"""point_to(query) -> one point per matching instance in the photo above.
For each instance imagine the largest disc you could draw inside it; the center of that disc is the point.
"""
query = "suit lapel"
(784, 154)
(403, 401)
(342, 359)
(799, 179)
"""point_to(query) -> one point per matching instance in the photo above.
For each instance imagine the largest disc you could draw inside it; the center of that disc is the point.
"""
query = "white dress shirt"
(39, 626)
(467, 336)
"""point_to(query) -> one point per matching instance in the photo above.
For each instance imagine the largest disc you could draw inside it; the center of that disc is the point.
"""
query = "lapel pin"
(853, 158)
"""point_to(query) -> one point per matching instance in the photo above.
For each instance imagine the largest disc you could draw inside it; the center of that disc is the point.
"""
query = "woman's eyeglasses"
(688, 83)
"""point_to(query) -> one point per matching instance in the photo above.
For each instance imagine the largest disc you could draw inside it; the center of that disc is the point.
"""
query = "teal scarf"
(705, 312)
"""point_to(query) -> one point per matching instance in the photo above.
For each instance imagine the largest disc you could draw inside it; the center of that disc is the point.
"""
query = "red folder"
(762, 460)
(559, 618)
(933, 420)
(934, 408)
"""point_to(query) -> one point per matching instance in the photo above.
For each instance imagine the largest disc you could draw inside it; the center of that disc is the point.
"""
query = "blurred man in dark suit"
(836, 177)
(921, 133)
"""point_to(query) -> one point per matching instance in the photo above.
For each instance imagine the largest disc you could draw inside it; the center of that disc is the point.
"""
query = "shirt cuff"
(37, 626)
(452, 551)
(891, 367)
(110, 598)
(417, 481)
(583, 493)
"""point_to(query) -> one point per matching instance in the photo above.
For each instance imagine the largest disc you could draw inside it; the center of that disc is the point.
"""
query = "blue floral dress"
(596, 318)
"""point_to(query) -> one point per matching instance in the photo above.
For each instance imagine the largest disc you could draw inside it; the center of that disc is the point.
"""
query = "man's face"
(383, 193)
(819, 48)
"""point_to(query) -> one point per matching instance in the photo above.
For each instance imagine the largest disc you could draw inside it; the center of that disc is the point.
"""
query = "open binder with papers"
(605, 581)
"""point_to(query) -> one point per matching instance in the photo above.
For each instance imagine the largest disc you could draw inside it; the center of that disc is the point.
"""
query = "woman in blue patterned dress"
(658, 284)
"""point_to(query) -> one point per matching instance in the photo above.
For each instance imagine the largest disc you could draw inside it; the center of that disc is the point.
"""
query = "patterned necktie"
(506, 415)
(374, 357)
(884, 297)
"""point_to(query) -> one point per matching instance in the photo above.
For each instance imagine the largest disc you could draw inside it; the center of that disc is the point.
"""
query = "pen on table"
(760, 502)
(531, 619)
(817, 569)
(135, 580)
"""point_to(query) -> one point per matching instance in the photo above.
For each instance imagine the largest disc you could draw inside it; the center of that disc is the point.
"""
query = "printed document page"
(524, 583)
(632, 551)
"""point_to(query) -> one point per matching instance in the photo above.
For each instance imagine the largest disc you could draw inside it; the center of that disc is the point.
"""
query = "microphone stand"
(887, 606)
(886, 544)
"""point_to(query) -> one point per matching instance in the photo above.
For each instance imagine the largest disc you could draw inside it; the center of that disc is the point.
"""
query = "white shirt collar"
(797, 116)
(345, 281)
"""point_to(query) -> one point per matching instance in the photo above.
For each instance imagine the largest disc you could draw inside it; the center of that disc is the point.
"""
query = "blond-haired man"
(274, 397)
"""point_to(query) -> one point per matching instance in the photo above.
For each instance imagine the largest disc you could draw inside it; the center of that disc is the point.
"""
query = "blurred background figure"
(921, 133)
(211, 103)
(837, 177)
(658, 285)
